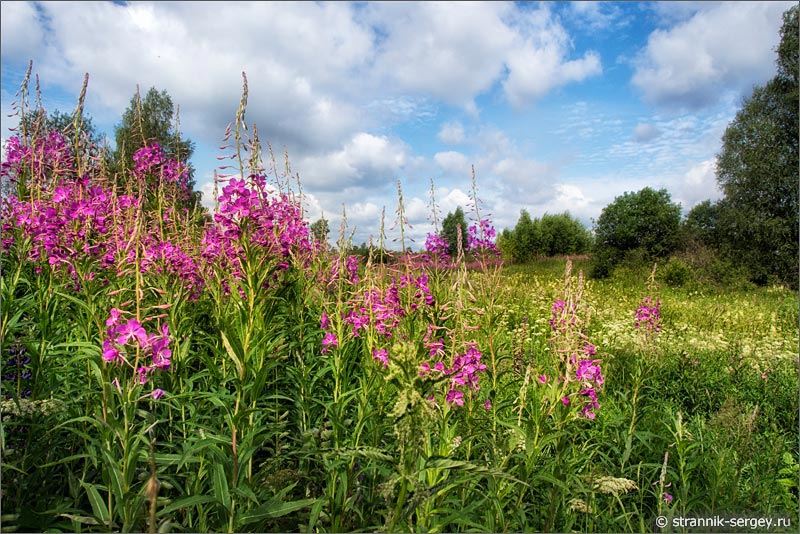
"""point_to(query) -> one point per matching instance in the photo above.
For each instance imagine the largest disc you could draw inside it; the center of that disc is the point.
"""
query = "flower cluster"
(273, 223)
(47, 157)
(148, 157)
(647, 317)
(75, 218)
(480, 238)
(123, 335)
(463, 374)
(588, 373)
(165, 257)
(437, 245)
(382, 309)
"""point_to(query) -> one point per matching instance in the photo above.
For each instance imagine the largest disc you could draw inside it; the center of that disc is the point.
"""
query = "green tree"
(645, 224)
(320, 230)
(153, 120)
(549, 236)
(700, 225)
(450, 227)
(562, 234)
(757, 170)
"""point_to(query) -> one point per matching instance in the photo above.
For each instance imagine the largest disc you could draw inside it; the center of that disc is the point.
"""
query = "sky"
(558, 106)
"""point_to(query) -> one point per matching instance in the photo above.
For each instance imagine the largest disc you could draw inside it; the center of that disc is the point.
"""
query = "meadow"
(169, 372)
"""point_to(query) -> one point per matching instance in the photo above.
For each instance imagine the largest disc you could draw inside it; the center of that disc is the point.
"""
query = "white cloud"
(21, 34)
(723, 47)
(451, 133)
(697, 184)
(454, 163)
(539, 62)
(452, 51)
(364, 160)
(596, 16)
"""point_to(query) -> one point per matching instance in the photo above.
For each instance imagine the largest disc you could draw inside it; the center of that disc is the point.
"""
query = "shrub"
(646, 221)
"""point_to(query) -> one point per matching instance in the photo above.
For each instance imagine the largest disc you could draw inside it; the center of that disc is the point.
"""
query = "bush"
(647, 222)
(676, 272)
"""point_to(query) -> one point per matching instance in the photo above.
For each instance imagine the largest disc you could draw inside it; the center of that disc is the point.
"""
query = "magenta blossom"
(131, 329)
(329, 341)
(382, 355)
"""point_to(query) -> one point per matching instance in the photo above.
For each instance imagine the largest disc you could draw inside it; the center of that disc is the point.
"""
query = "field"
(163, 372)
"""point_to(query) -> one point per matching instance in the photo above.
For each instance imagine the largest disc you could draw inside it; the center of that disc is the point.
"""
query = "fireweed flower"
(328, 341)
(324, 322)
(382, 355)
(456, 397)
(131, 329)
(110, 353)
(647, 317)
(157, 393)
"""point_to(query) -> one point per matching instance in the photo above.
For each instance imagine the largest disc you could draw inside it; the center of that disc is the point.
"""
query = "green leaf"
(221, 491)
(99, 508)
(186, 502)
(236, 354)
(271, 510)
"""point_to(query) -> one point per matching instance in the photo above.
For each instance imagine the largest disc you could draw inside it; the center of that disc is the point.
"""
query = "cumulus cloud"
(451, 133)
(454, 163)
(364, 160)
(697, 184)
(539, 62)
(723, 47)
(21, 32)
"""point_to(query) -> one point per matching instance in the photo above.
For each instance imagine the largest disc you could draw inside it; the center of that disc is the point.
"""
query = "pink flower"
(667, 498)
(328, 341)
(455, 396)
(381, 355)
(324, 322)
(488, 404)
(157, 393)
(565, 400)
(543, 379)
(110, 353)
(142, 372)
(129, 330)
(113, 320)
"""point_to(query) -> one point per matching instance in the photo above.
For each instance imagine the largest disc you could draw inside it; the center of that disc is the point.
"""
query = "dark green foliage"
(644, 225)
(700, 225)
(450, 231)
(550, 235)
(757, 169)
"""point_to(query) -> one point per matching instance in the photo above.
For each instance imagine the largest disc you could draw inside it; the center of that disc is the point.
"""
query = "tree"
(152, 120)
(757, 171)
(645, 223)
(449, 233)
(549, 236)
(700, 225)
(562, 234)
(320, 230)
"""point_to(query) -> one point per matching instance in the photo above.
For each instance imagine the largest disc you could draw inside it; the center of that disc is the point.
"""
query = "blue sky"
(558, 105)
